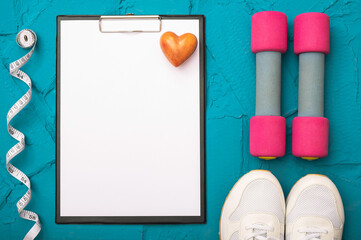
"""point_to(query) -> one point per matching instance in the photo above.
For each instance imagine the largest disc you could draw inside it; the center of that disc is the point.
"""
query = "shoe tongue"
(258, 231)
(310, 233)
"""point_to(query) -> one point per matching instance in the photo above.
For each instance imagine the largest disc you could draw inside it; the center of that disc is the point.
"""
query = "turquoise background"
(230, 104)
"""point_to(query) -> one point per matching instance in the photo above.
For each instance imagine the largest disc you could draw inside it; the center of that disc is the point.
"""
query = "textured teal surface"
(230, 104)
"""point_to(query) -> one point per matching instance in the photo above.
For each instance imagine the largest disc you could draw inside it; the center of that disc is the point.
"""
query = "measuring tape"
(25, 39)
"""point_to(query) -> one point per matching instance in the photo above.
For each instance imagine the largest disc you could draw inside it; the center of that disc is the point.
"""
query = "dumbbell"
(310, 128)
(267, 127)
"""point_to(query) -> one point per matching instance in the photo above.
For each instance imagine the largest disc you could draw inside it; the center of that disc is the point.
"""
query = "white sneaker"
(314, 210)
(254, 209)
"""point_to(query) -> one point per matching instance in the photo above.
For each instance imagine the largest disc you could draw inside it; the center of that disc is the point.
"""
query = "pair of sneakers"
(255, 209)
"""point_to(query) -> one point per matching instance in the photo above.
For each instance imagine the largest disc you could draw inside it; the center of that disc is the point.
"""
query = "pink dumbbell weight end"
(267, 136)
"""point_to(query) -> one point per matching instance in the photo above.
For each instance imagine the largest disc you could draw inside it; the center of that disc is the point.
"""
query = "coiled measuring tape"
(25, 39)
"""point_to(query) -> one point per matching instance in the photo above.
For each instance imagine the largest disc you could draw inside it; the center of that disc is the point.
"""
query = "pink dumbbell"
(268, 42)
(310, 128)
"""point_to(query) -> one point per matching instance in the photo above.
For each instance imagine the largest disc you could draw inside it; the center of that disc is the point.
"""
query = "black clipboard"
(129, 219)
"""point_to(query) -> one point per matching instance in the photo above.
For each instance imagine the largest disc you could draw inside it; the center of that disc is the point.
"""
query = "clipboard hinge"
(130, 23)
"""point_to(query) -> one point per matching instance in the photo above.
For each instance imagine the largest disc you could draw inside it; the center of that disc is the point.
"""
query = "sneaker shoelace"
(312, 233)
(259, 232)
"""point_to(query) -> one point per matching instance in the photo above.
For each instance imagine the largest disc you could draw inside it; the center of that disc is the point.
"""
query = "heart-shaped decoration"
(178, 49)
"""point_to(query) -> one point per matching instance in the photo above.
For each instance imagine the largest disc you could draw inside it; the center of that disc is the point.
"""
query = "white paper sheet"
(129, 124)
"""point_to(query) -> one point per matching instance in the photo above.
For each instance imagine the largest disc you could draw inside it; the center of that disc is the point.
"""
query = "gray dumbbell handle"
(268, 84)
(311, 84)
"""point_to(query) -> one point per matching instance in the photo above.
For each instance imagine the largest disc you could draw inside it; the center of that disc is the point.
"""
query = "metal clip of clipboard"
(130, 23)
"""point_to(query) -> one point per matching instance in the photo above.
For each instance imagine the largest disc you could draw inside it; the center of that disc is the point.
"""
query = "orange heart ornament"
(178, 49)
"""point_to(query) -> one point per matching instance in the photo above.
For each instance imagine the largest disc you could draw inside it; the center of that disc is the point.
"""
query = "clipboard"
(130, 127)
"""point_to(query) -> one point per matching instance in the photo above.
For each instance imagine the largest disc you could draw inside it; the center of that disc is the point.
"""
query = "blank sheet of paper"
(129, 124)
